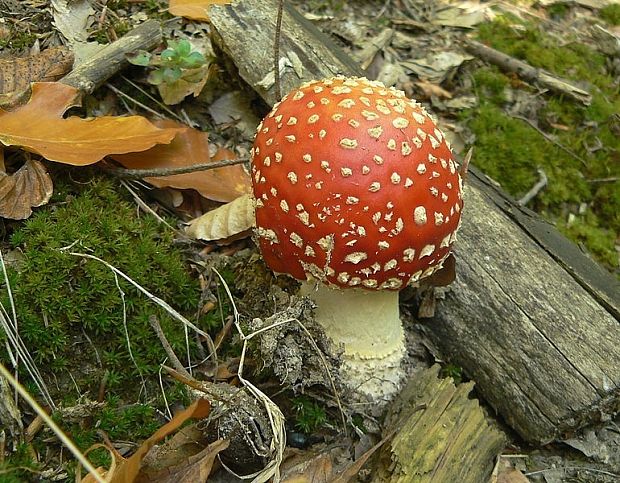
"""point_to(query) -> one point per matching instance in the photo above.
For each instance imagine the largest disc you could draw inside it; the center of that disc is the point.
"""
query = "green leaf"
(172, 74)
(143, 59)
(193, 60)
(168, 55)
(183, 48)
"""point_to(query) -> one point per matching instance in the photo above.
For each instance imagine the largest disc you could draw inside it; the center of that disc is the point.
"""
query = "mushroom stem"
(367, 324)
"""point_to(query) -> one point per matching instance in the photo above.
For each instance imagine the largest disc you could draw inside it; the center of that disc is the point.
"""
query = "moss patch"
(510, 150)
(71, 310)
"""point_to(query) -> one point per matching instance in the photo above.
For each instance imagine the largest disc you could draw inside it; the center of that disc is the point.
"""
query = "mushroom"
(357, 195)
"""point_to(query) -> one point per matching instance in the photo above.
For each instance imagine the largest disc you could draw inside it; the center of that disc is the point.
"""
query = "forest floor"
(92, 334)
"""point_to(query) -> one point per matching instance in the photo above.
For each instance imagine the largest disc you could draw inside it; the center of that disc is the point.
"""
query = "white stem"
(367, 323)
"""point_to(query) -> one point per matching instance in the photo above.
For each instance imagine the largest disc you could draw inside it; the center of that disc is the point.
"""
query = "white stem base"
(368, 324)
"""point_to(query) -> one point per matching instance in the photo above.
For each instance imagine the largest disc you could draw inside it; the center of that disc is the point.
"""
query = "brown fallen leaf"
(318, 469)
(190, 147)
(194, 9)
(195, 468)
(233, 219)
(28, 187)
(38, 127)
(17, 73)
(127, 470)
(429, 89)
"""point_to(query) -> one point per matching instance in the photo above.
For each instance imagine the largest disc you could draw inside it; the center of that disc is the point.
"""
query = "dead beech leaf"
(319, 469)
(195, 468)
(127, 470)
(17, 73)
(38, 127)
(194, 9)
(29, 186)
(189, 147)
(226, 221)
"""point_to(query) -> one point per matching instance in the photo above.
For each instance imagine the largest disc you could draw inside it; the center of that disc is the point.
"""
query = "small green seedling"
(171, 64)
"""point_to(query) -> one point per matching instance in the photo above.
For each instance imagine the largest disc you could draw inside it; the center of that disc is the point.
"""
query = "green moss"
(309, 415)
(18, 40)
(611, 14)
(511, 151)
(65, 302)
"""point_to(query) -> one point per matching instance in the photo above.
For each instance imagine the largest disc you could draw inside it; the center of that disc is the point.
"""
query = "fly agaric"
(357, 195)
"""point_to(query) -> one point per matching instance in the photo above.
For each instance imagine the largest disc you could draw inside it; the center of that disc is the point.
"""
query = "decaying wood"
(113, 57)
(527, 72)
(245, 31)
(543, 351)
(442, 434)
(532, 320)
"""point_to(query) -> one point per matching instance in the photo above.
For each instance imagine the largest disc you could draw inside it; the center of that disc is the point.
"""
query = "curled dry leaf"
(17, 73)
(190, 147)
(19, 192)
(39, 127)
(194, 9)
(229, 220)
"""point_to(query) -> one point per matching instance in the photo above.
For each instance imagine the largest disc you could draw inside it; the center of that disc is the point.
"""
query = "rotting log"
(531, 319)
(440, 434)
(245, 32)
(113, 57)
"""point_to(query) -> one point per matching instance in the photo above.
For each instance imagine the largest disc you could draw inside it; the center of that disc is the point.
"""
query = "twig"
(276, 51)
(613, 179)
(527, 72)
(154, 322)
(531, 194)
(550, 139)
(148, 173)
(136, 102)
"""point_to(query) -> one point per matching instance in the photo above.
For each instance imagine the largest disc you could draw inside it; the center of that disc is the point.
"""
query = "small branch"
(276, 51)
(531, 194)
(112, 58)
(176, 363)
(149, 173)
(527, 72)
(550, 139)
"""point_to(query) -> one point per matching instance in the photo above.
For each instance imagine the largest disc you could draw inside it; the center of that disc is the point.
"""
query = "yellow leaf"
(39, 127)
(194, 9)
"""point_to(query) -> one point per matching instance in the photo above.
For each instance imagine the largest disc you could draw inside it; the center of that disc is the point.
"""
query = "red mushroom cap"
(355, 186)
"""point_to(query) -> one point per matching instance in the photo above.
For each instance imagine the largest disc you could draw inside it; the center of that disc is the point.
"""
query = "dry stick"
(276, 51)
(176, 363)
(148, 173)
(531, 194)
(550, 139)
(527, 72)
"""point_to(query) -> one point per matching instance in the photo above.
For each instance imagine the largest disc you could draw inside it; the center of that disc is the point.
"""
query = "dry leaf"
(508, 473)
(28, 187)
(194, 469)
(234, 218)
(192, 82)
(127, 470)
(190, 147)
(38, 127)
(429, 89)
(194, 9)
(318, 469)
(16, 74)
